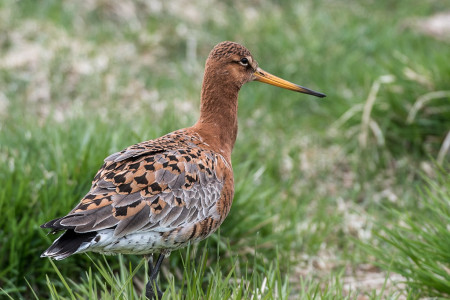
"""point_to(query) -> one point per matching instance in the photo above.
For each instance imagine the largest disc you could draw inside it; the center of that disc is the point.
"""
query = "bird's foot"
(150, 291)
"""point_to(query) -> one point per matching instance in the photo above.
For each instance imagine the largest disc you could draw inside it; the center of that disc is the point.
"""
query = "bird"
(160, 195)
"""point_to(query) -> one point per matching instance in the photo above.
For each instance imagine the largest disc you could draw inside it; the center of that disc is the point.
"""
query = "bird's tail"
(70, 242)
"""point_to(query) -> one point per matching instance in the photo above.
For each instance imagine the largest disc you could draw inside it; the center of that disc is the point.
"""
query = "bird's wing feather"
(155, 185)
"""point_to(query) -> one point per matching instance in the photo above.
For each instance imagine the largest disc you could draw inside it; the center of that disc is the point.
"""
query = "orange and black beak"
(263, 76)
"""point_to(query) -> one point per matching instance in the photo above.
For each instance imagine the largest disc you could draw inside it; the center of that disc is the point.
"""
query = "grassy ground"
(322, 186)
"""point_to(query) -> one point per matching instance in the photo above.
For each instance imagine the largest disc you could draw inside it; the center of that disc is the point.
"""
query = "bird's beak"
(263, 76)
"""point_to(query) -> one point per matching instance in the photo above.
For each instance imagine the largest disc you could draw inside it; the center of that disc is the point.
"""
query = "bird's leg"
(149, 260)
(153, 274)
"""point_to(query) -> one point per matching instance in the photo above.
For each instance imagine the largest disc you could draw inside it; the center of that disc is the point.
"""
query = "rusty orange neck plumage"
(228, 67)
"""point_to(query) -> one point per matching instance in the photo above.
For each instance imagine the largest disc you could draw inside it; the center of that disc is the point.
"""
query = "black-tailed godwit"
(159, 195)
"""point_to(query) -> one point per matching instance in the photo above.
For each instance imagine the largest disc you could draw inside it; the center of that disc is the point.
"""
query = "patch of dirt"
(368, 278)
(437, 26)
(359, 282)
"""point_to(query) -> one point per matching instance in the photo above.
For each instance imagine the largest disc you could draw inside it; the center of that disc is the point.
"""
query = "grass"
(419, 241)
(79, 81)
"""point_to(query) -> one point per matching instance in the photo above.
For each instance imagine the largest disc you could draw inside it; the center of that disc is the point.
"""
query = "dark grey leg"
(153, 274)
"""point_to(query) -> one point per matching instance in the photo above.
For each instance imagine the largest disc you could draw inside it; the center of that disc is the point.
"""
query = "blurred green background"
(317, 180)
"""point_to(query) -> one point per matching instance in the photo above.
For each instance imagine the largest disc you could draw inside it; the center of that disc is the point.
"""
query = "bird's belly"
(138, 243)
(154, 241)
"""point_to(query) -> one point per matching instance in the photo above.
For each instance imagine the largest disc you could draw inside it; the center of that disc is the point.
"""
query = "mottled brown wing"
(149, 186)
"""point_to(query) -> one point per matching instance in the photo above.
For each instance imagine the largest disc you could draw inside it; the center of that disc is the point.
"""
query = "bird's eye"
(244, 61)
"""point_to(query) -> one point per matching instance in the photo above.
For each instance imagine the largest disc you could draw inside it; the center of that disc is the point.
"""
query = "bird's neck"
(218, 123)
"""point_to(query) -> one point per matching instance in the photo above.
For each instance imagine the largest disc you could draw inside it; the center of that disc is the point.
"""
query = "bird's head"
(234, 63)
